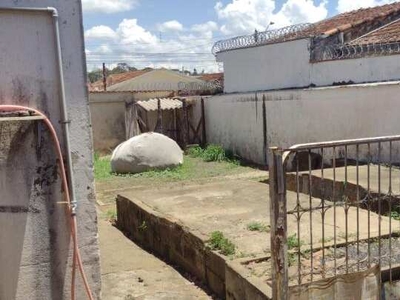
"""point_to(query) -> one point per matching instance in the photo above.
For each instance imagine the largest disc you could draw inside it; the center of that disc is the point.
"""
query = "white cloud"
(346, 5)
(131, 43)
(300, 11)
(208, 26)
(108, 6)
(169, 26)
(191, 46)
(100, 32)
(244, 16)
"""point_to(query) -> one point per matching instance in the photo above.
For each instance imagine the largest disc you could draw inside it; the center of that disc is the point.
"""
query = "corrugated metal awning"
(166, 104)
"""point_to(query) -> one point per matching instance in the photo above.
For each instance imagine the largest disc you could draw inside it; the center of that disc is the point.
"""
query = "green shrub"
(196, 151)
(220, 243)
(293, 242)
(214, 153)
(257, 226)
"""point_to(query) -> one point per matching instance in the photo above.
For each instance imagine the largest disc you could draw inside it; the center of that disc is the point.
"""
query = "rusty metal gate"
(335, 211)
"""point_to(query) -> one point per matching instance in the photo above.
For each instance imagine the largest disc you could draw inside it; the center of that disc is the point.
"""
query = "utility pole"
(104, 77)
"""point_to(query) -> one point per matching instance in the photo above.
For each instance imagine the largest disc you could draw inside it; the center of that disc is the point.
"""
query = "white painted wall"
(35, 237)
(302, 116)
(367, 69)
(267, 67)
(236, 122)
(287, 65)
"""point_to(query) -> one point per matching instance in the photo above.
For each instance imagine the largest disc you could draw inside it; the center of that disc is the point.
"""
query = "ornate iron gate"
(335, 210)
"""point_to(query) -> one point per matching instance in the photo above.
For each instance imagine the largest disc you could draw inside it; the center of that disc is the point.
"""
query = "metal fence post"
(278, 223)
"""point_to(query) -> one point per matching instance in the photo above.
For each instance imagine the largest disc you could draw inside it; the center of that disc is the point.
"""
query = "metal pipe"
(64, 114)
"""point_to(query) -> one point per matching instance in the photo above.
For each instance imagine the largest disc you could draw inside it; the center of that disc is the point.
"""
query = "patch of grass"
(220, 243)
(258, 226)
(111, 215)
(192, 168)
(214, 153)
(102, 168)
(195, 151)
(395, 215)
(292, 259)
(326, 240)
(293, 242)
(342, 235)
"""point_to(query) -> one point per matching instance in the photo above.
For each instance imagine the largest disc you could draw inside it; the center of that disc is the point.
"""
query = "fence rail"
(335, 210)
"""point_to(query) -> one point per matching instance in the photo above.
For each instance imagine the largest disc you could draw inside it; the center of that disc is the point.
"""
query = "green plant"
(143, 226)
(195, 151)
(293, 242)
(220, 243)
(111, 215)
(326, 240)
(292, 259)
(257, 226)
(102, 167)
(214, 153)
(395, 215)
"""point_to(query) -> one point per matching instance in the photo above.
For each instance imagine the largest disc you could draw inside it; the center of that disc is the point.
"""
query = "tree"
(95, 75)
(195, 72)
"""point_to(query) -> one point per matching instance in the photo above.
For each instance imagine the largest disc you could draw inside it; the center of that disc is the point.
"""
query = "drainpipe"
(64, 114)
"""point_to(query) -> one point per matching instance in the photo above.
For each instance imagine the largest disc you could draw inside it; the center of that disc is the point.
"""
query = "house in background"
(214, 80)
(150, 80)
(114, 79)
(354, 47)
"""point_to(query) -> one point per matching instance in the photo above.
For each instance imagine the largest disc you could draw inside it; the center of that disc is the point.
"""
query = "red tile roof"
(116, 78)
(386, 34)
(345, 21)
(212, 77)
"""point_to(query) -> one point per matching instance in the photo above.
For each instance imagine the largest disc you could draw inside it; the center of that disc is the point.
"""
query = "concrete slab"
(230, 206)
(177, 223)
(374, 184)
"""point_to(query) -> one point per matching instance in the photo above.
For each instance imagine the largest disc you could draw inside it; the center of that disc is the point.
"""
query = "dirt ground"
(129, 272)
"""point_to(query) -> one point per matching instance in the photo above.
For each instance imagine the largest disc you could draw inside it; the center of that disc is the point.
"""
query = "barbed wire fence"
(264, 37)
(348, 51)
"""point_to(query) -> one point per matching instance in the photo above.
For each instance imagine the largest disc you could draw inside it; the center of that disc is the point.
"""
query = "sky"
(179, 34)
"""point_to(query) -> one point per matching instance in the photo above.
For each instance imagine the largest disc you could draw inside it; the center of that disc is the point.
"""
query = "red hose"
(76, 257)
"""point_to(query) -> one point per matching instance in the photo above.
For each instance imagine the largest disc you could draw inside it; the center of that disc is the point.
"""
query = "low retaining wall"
(173, 242)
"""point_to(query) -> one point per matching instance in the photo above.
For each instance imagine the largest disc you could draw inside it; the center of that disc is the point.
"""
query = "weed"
(143, 226)
(241, 255)
(214, 153)
(257, 226)
(102, 168)
(220, 243)
(395, 215)
(342, 235)
(195, 151)
(326, 240)
(292, 259)
(293, 242)
(111, 215)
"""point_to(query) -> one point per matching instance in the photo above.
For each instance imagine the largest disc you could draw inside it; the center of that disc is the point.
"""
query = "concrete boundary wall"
(249, 123)
(108, 116)
(36, 246)
(287, 65)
